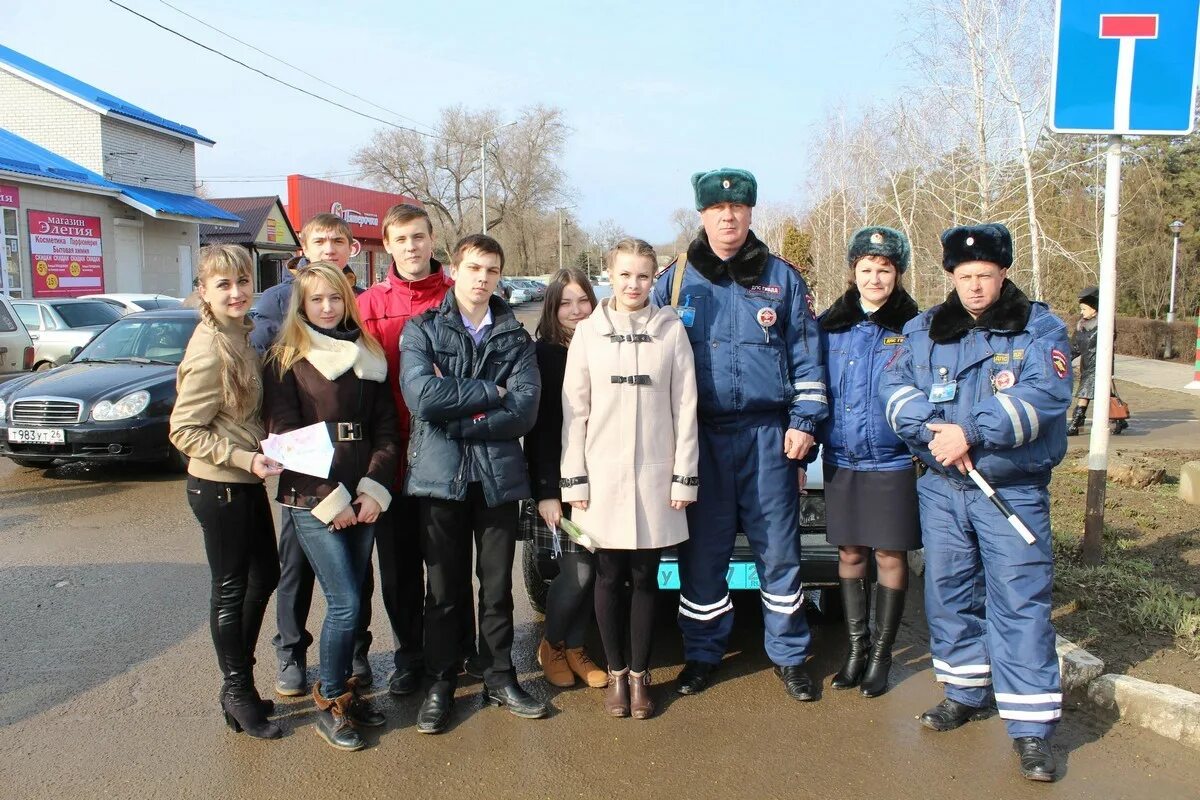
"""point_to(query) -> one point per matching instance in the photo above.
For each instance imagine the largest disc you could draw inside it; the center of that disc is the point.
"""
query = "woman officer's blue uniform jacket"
(1006, 380)
(856, 434)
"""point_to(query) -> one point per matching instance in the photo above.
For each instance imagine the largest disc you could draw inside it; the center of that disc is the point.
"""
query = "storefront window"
(270, 270)
(361, 264)
(12, 252)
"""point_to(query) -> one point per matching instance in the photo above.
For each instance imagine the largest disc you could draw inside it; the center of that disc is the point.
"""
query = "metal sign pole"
(1093, 549)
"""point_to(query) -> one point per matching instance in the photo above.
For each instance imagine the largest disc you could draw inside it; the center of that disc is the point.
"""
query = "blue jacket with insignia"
(856, 345)
(754, 336)
(1012, 374)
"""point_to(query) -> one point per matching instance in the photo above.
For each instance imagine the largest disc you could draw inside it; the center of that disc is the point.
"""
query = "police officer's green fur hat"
(724, 185)
(879, 240)
(990, 241)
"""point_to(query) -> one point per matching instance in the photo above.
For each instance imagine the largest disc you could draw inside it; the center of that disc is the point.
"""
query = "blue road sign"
(1125, 66)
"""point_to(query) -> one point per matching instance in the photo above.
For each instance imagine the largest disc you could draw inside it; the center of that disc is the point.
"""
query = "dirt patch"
(1139, 610)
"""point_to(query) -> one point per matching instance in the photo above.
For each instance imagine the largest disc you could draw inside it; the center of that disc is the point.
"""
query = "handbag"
(1117, 408)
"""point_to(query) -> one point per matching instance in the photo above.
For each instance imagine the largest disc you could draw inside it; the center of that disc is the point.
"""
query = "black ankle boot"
(854, 603)
(243, 708)
(333, 720)
(1077, 420)
(889, 608)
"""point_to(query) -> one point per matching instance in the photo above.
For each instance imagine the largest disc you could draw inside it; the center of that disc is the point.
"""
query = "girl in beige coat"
(629, 458)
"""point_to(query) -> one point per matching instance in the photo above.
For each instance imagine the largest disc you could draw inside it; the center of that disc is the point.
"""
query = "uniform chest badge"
(1004, 379)
(766, 317)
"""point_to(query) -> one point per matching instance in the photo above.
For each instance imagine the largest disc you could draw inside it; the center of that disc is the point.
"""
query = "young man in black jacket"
(469, 376)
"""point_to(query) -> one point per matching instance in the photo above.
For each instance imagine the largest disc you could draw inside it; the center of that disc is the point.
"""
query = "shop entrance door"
(129, 258)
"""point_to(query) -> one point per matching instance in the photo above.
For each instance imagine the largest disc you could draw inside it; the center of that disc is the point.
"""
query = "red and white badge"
(766, 317)
(1004, 379)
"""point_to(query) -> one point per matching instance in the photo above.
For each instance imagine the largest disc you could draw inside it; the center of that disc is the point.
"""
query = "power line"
(292, 66)
(270, 77)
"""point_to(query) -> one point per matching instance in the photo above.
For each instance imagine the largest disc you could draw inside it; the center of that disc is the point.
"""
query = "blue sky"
(653, 90)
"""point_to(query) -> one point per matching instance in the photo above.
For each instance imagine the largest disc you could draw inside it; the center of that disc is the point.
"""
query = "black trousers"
(622, 621)
(239, 540)
(402, 584)
(294, 600)
(448, 529)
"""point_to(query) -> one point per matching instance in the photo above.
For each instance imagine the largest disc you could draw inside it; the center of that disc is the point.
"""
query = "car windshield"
(80, 315)
(133, 339)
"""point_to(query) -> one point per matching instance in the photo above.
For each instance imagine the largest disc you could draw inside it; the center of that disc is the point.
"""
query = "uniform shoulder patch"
(812, 304)
(1060, 362)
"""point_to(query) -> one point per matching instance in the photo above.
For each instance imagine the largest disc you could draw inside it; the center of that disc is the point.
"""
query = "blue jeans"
(340, 560)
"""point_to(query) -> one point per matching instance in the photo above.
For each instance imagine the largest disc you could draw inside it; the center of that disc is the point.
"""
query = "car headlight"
(128, 406)
(812, 511)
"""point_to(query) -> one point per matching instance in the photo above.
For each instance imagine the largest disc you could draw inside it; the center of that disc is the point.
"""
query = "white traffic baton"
(1002, 504)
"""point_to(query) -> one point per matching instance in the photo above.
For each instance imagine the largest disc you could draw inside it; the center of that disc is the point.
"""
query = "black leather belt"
(300, 500)
(345, 431)
(634, 380)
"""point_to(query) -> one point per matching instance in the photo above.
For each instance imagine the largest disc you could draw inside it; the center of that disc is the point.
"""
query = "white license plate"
(37, 435)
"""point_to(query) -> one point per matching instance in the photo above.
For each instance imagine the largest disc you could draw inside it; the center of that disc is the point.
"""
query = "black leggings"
(239, 539)
(613, 569)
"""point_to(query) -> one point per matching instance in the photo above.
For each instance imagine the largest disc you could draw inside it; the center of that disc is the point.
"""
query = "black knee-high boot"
(889, 608)
(1077, 420)
(854, 604)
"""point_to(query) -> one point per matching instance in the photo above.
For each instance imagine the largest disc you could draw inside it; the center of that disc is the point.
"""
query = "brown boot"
(553, 660)
(616, 698)
(641, 705)
(333, 721)
(582, 665)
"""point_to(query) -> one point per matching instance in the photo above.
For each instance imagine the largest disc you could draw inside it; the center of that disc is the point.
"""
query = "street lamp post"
(1176, 227)
(483, 172)
(561, 209)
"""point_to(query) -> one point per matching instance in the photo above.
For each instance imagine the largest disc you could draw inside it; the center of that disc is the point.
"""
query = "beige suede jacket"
(219, 443)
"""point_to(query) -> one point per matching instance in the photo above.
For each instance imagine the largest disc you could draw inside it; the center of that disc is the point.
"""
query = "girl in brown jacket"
(630, 457)
(216, 424)
(324, 368)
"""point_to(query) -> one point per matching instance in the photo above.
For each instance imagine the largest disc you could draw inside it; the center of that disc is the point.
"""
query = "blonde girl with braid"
(217, 424)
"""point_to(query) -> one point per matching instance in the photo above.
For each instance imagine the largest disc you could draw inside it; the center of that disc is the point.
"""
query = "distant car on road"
(111, 403)
(132, 303)
(537, 290)
(59, 326)
(16, 348)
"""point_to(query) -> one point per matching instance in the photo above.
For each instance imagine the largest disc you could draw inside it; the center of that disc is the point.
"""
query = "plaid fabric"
(532, 526)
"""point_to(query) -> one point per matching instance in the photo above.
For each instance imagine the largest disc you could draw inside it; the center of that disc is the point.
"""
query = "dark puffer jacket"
(461, 427)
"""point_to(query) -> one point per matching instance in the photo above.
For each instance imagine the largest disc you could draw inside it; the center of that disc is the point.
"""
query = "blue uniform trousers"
(987, 598)
(748, 485)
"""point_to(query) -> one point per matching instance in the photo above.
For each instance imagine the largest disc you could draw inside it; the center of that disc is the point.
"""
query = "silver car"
(16, 348)
(59, 326)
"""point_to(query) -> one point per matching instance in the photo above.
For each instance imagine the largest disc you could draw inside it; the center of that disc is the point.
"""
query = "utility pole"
(483, 172)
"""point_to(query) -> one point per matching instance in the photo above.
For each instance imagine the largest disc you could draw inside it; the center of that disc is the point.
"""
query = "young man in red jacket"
(415, 283)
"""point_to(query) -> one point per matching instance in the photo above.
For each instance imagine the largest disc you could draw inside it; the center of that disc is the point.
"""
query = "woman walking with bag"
(324, 368)
(630, 454)
(1083, 347)
(561, 654)
(870, 480)
(216, 424)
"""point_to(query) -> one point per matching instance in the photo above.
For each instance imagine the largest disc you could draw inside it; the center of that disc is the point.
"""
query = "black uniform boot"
(854, 603)
(889, 608)
(1077, 420)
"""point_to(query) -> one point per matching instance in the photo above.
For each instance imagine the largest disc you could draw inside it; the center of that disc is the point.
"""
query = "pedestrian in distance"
(570, 299)
(752, 326)
(415, 283)
(870, 480)
(325, 369)
(216, 423)
(470, 379)
(325, 237)
(1084, 347)
(630, 458)
(982, 383)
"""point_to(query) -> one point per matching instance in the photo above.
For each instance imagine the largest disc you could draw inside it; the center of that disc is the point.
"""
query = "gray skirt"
(872, 509)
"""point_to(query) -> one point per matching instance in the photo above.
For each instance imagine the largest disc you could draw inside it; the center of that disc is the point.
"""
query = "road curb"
(1158, 707)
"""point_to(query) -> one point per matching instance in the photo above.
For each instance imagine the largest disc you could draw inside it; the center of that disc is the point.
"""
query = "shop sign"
(272, 230)
(362, 209)
(66, 253)
(10, 196)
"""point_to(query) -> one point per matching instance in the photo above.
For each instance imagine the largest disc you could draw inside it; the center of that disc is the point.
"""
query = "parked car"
(818, 558)
(515, 292)
(537, 291)
(59, 327)
(16, 347)
(132, 303)
(111, 403)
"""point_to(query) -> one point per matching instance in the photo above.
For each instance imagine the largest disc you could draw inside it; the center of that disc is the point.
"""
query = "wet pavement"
(108, 688)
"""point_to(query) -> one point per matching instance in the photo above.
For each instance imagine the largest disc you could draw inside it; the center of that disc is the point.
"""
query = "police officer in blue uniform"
(983, 382)
(761, 386)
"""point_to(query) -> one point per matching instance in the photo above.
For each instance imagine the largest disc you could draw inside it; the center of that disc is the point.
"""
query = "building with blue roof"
(68, 148)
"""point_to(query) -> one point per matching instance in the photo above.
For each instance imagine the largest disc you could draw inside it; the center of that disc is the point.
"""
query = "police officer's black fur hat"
(990, 241)
(878, 240)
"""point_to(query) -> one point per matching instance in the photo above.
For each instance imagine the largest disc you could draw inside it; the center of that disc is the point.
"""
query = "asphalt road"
(108, 688)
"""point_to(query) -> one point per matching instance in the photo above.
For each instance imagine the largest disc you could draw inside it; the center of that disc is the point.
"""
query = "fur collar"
(746, 266)
(1009, 314)
(334, 357)
(846, 311)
